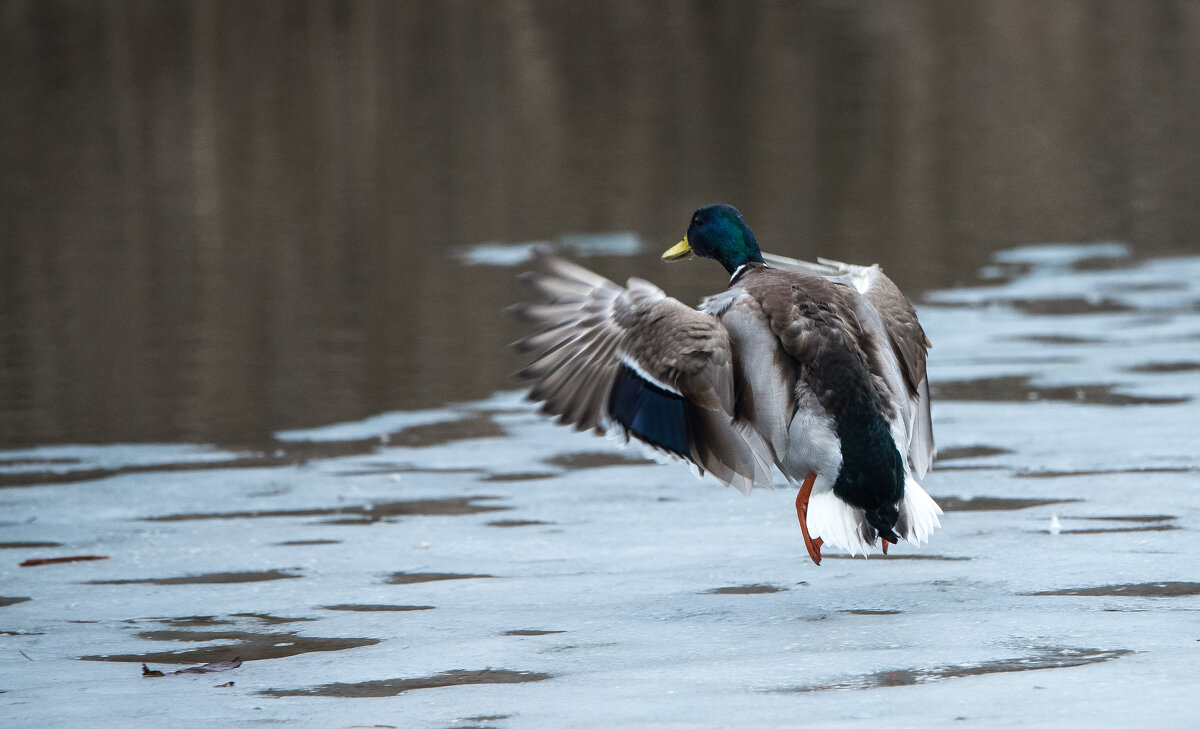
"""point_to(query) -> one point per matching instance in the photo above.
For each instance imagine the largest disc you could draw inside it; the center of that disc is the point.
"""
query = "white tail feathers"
(842, 526)
(918, 513)
(838, 524)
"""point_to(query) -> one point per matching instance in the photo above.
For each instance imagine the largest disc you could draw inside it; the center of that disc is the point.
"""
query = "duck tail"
(842, 526)
(838, 524)
(918, 513)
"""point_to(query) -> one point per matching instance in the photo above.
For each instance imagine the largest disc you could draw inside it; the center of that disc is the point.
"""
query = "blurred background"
(222, 219)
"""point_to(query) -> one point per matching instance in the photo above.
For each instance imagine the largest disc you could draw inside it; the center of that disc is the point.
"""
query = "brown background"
(218, 219)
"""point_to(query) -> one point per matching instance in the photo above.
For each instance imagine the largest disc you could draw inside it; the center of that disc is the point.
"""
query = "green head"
(718, 232)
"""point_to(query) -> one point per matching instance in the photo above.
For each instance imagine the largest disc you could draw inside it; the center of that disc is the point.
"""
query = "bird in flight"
(814, 369)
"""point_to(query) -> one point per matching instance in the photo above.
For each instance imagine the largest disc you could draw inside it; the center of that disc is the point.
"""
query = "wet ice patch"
(365, 513)
(1145, 589)
(745, 590)
(1039, 660)
(994, 503)
(412, 578)
(249, 646)
(395, 686)
(1022, 389)
(208, 578)
(378, 608)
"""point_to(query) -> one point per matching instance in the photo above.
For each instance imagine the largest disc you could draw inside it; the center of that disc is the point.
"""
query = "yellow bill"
(677, 251)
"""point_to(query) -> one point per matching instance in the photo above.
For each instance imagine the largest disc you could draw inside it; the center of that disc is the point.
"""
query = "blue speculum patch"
(649, 412)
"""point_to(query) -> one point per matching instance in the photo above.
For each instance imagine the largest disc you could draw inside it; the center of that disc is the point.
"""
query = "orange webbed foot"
(812, 545)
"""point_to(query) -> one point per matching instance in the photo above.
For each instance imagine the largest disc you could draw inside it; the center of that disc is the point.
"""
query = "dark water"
(219, 219)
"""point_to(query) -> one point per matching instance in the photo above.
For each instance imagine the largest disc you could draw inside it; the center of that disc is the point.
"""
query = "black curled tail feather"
(884, 519)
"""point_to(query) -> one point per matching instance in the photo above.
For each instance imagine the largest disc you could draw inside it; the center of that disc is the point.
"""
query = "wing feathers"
(920, 445)
(722, 451)
(764, 393)
(633, 357)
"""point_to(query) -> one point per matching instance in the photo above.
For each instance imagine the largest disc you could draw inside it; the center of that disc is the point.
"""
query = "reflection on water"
(222, 219)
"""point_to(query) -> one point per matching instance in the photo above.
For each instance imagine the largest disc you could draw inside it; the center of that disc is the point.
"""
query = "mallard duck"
(818, 371)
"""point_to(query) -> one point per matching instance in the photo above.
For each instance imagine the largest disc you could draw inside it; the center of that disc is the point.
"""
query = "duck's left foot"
(812, 545)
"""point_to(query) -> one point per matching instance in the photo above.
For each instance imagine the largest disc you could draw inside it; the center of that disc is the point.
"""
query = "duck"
(816, 371)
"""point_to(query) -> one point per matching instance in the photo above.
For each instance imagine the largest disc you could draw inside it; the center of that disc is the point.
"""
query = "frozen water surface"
(479, 566)
(494, 253)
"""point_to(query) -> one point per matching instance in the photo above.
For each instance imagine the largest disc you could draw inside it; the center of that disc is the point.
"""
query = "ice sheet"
(496, 570)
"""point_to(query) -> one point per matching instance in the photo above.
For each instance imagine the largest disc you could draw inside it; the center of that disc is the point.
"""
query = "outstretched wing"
(634, 359)
(905, 338)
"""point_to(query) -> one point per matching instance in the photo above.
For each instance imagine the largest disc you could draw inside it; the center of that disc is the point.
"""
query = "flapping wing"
(634, 359)
(905, 336)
